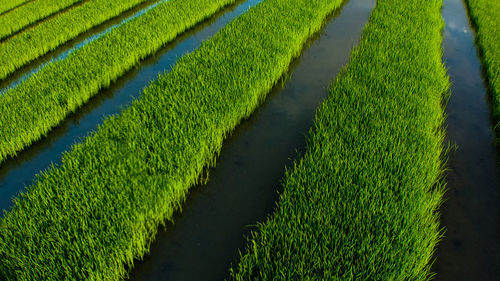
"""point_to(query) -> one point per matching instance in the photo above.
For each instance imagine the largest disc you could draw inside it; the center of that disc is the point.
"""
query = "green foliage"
(486, 14)
(30, 13)
(35, 42)
(101, 207)
(362, 203)
(8, 5)
(30, 110)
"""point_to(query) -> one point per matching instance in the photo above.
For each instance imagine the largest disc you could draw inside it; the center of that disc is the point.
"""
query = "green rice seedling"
(7, 6)
(33, 108)
(362, 203)
(32, 12)
(100, 209)
(27, 46)
(485, 14)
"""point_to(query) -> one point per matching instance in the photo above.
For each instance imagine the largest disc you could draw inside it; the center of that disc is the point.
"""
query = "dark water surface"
(78, 42)
(19, 172)
(470, 249)
(243, 187)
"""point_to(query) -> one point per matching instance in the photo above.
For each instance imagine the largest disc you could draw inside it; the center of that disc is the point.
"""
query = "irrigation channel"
(72, 45)
(243, 187)
(19, 172)
(470, 249)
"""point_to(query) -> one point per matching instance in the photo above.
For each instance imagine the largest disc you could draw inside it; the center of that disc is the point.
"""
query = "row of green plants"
(7, 6)
(32, 109)
(93, 214)
(485, 14)
(21, 17)
(25, 47)
(362, 203)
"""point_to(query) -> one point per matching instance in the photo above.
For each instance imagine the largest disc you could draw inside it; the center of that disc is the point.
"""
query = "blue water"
(78, 46)
(17, 173)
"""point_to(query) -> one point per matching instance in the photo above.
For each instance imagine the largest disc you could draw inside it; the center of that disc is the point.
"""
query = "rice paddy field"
(249, 140)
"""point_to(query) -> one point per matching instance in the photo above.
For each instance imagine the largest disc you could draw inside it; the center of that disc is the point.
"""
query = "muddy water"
(243, 188)
(19, 172)
(78, 42)
(470, 249)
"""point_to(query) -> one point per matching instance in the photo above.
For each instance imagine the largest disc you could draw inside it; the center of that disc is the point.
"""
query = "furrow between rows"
(23, 48)
(101, 207)
(362, 204)
(43, 101)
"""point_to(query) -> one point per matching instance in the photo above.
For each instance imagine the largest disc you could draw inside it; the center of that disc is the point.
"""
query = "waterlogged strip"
(18, 173)
(31, 13)
(242, 189)
(34, 107)
(109, 29)
(104, 203)
(485, 14)
(26, 47)
(31, 44)
(361, 204)
(8, 6)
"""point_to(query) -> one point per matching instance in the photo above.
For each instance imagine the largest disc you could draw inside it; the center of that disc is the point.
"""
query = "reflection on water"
(64, 51)
(19, 172)
(244, 185)
(470, 249)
